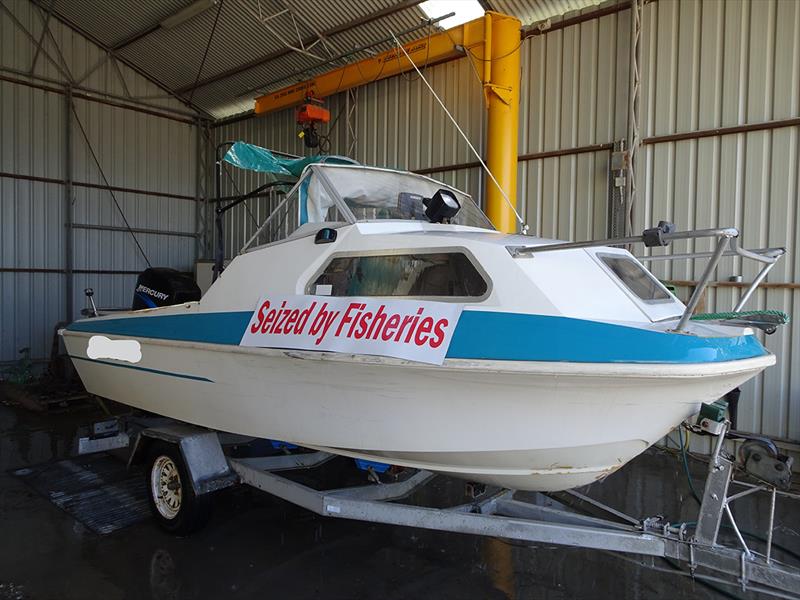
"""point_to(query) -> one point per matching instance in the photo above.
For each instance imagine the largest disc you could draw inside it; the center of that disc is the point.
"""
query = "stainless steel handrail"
(768, 256)
(722, 242)
(517, 251)
(727, 245)
(761, 252)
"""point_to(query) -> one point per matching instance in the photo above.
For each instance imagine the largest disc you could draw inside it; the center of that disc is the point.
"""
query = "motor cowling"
(162, 286)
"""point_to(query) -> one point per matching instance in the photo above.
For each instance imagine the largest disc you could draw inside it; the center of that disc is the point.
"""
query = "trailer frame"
(496, 512)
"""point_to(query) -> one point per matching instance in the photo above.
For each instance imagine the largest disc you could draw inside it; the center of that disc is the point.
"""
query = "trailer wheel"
(172, 500)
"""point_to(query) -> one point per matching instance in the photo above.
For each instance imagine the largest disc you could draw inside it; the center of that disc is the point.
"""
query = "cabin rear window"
(445, 274)
(635, 277)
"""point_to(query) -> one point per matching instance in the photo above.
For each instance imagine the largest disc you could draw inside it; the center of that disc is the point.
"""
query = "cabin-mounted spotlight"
(443, 205)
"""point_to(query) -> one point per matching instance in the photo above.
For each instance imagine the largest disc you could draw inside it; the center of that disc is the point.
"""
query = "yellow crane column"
(501, 87)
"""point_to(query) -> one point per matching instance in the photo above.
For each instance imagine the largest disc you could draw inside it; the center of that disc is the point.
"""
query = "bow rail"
(660, 236)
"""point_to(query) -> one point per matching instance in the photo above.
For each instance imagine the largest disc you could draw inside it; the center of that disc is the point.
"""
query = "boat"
(377, 314)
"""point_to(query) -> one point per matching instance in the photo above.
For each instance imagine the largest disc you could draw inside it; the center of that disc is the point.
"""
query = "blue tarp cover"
(256, 158)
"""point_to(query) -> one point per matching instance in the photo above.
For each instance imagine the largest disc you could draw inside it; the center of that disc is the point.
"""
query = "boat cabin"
(352, 230)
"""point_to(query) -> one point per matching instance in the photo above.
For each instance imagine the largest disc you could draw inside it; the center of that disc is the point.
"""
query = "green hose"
(686, 467)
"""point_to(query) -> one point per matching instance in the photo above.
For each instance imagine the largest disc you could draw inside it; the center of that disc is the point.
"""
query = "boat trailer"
(497, 512)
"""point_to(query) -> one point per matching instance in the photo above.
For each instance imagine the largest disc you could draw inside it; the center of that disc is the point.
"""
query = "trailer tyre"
(172, 500)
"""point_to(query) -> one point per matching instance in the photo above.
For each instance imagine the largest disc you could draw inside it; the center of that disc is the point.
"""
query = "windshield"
(374, 194)
(370, 194)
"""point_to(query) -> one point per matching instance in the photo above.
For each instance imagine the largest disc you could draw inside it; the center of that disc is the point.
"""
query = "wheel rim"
(165, 486)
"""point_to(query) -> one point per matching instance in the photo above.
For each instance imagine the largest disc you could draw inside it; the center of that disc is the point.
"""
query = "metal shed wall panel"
(400, 124)
(574, 94)
(136, 150)
(716, 64)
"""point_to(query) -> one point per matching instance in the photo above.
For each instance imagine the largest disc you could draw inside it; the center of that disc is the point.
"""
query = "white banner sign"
(411, 329)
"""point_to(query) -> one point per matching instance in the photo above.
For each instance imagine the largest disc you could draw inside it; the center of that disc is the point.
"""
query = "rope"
(205, 54)
(108, 185)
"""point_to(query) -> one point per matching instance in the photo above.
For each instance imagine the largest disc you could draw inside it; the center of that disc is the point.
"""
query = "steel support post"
(68, 229)
(204, 236)
(199, 215)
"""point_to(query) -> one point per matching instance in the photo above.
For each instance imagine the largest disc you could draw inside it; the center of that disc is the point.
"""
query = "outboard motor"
(161, 286)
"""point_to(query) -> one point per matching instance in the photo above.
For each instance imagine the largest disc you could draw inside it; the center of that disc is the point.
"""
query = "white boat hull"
(523, 425)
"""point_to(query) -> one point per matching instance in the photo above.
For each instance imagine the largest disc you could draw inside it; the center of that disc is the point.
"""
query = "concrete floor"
(259, 547)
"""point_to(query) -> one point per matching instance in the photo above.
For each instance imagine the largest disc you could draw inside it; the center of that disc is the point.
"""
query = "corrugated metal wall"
(400, 124)
(705, 65)
(136, 150)
(574, 94)
(714, 64)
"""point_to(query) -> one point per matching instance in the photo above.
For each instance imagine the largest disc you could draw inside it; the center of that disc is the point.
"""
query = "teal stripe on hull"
(209, 328)
(481, 335)
(147, 370)
(512, 336)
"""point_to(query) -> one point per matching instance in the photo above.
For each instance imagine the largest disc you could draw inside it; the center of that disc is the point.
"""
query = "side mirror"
(443, 205)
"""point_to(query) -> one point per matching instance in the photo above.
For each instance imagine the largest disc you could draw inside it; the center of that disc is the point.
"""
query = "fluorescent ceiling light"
(183, 15)
(466, 10)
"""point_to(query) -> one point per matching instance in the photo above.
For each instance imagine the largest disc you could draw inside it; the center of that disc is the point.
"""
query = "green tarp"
(256, 158)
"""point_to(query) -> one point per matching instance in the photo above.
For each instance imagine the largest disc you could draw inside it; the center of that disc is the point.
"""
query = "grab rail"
(768, 256)
(727, 237)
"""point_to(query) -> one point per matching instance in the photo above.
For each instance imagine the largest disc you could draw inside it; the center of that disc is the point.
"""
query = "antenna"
(463, 135)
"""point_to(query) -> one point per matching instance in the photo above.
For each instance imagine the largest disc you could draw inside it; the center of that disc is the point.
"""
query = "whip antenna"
(463, 135)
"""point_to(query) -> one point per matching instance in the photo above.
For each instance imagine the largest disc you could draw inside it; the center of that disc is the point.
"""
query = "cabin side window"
(635, 277)
(444, 274)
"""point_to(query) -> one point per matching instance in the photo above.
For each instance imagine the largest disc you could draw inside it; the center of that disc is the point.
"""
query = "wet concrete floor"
(259, 547)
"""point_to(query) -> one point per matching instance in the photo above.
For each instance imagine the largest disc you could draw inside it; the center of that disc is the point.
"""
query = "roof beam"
(200, 111)
(41, 37)
(184, 14)
(135, 37)
(401, 6)
(32, 40)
